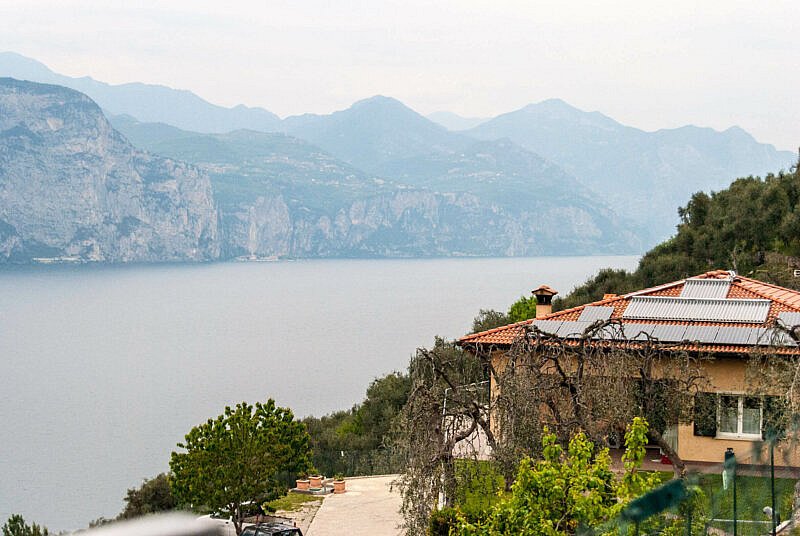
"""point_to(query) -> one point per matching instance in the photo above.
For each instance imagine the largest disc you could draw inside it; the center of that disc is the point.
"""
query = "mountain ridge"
(645, 175)
(374, 131)
(454, 122)
(147, 102)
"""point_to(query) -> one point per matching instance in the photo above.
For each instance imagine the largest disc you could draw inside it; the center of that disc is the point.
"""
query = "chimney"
(544, 297)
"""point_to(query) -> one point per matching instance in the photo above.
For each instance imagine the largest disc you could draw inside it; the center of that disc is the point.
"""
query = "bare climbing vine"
(491, 405)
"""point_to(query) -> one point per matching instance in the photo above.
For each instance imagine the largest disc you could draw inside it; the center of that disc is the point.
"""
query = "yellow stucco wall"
(725, 375)
(728, 375)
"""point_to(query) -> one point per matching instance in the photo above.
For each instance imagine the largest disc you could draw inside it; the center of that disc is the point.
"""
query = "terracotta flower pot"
(303, 484)
(315, 481)
(338, 486)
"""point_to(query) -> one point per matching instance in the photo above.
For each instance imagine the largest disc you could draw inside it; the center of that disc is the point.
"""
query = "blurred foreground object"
(173, 524)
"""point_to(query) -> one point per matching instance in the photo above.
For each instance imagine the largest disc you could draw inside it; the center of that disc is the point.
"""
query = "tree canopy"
(522, 309)
(488, 319)
(238, 458)
(16, 526)
(352, 441)
(154, 495)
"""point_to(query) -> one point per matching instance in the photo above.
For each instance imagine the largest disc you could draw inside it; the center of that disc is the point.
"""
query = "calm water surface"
(103, 370)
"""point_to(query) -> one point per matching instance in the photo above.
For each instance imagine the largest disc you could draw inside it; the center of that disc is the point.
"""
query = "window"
(739, 416)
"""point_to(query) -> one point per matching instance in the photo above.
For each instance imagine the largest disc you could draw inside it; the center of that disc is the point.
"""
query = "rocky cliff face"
(281, 196)
(71, 186)
(412, 223)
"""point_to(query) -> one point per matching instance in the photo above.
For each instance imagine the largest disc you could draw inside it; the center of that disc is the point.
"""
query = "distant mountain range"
(545, 179)
(73, 188)
(455, 122)
(644, 175)
(146, 102)
(281, 196)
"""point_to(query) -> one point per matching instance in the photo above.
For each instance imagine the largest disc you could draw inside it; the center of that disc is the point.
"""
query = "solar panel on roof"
(761, 336)
(573, 329)
(705, 288)
(784, 339)
(669, 332)
(723, 335)
(704, 334)
(789, 319)
(593, 313)
(701, 309)
(548, 326)
(637, 332)
(735, 335)
(773, 337)
(607, 332)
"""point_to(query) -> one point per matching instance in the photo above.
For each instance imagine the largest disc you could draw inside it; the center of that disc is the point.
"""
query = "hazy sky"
(648, 65)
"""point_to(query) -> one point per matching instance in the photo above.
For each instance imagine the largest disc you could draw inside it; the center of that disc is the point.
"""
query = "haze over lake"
(104, 369)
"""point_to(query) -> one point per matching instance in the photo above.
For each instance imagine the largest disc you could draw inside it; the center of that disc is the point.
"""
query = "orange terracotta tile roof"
(782, 300)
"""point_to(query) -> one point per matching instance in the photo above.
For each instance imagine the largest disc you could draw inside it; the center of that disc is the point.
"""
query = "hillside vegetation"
(752, 227)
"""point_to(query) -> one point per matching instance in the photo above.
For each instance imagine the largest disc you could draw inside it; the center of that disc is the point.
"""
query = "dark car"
(271, 529)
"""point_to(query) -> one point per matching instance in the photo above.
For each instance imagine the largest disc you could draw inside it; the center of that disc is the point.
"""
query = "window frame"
(739, 434)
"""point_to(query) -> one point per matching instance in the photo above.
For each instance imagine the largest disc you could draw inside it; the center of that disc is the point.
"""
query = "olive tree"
(237, 459)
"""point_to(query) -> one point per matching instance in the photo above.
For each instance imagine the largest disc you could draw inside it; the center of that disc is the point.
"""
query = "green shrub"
(442, 521)
(445, 522)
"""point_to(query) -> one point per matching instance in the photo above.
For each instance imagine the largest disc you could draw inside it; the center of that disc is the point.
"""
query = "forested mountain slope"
(752, 227)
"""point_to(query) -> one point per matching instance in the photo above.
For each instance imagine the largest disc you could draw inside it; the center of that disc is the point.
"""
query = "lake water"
(104, 369)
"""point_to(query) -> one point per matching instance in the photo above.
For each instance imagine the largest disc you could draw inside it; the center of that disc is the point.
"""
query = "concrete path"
(369, 508)
(302, 518)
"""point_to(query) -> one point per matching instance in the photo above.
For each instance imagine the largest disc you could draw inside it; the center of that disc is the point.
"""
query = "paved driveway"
(369, 508)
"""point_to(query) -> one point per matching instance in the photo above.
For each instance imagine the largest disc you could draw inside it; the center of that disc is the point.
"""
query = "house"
(717, 314)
